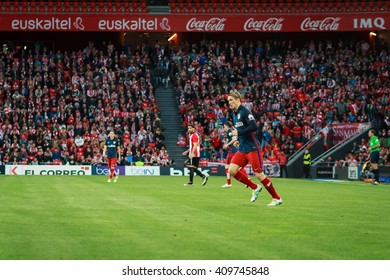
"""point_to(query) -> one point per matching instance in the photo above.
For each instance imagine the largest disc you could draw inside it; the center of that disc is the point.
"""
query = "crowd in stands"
(293, 92)
(58, 107)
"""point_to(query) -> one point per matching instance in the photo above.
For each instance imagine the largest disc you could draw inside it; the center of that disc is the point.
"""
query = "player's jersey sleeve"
(229, 136)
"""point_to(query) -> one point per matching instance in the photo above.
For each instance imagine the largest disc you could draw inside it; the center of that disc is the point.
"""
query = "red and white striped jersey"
(194, 138)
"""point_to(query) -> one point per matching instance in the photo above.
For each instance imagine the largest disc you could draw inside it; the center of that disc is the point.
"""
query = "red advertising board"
(342, 131)
(195, 23)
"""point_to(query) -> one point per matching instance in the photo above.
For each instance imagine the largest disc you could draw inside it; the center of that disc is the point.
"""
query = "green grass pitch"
(146, 218)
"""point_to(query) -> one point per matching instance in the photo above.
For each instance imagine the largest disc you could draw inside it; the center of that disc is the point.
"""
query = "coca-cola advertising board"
(195, 23)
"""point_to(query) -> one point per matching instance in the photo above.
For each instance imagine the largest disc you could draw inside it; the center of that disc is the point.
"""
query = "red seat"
(41, 6)
(298, 145)
(58, 7)
(66, 8)
(272, 158)
(16, 7)
(118, 7)
(135, 5)
(93, 7)
(24, 9)
(144, 5)
(101, 6)
(209, 10)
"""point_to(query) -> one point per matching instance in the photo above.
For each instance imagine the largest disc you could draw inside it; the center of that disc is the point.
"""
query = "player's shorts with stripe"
(111, 162)
(253, 157)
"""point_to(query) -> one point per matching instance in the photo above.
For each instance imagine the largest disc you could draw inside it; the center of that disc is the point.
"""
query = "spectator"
(79, 141)
(283, 165)
(138, 159)
(64, 95)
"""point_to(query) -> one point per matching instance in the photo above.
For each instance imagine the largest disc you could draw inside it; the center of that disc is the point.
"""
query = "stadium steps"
(171, 118)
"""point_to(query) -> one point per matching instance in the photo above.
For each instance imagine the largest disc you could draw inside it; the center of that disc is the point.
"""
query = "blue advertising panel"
(2, 169)
(103, 170)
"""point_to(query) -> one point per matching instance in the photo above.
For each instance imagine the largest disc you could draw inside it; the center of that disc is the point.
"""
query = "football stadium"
(194, 130)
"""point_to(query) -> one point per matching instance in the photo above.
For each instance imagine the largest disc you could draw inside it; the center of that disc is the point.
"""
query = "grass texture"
(157, 218)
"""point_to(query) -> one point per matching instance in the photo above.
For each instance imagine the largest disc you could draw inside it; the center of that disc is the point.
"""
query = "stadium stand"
(195, 6)
(52, 102)
(294, 93)
(58, 107)
(274, 6)
(80, 7)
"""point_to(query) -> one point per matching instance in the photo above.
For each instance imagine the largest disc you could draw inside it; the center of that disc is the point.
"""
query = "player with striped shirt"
(193, 156)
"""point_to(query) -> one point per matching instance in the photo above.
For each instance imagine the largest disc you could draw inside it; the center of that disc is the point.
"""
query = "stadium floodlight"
(172, 37)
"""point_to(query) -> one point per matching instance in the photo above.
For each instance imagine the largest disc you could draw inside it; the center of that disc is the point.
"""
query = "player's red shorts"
(111, 162)
(229, 157)
(255, 158)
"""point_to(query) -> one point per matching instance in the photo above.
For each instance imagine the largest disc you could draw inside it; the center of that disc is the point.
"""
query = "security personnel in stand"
(306, 164)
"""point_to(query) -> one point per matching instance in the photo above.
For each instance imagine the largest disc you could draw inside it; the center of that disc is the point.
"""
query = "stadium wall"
(317, 172)
(87, 170)
(270, 169)
(346, 173)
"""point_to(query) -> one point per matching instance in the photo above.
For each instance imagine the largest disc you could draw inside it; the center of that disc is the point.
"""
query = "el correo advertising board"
(195, 23)
(142, 170)
(50, 170)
